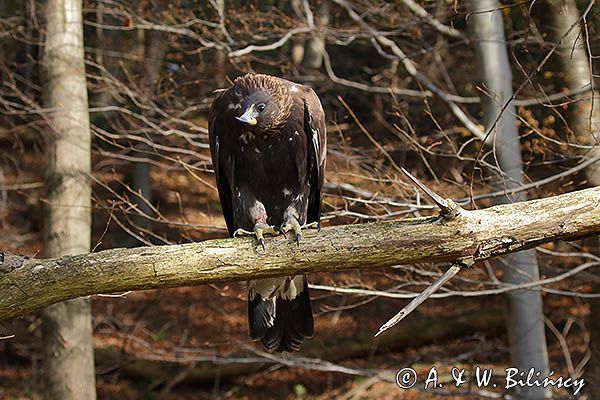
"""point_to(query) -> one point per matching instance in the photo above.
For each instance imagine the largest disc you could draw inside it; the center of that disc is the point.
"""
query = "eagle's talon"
(242, 232)
(260, 229)
(291, 224)
(266, 229)
(313, 225)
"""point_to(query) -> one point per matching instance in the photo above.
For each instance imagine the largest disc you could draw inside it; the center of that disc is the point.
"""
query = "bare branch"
(411, 68)
(272, 46)
(421, 12)
(31, 284)
(420, 299)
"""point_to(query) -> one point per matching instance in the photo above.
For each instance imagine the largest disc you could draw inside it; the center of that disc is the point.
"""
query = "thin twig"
(417, 301)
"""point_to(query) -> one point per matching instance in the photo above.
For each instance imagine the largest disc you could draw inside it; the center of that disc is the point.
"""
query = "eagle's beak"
(249, 116)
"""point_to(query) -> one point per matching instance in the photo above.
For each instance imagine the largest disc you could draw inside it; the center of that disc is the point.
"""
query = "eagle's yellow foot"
(291, 224)
(260, 229)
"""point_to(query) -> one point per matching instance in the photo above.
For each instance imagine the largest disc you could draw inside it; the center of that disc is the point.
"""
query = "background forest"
(486, 102)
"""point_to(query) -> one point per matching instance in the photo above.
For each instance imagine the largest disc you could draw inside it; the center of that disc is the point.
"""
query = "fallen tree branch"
(28, 285)
(163, 363)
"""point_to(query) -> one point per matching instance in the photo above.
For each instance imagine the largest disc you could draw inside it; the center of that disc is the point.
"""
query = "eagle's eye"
(261, 107)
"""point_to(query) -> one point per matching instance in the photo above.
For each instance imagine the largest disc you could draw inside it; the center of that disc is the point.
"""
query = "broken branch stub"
(449, 209)
(32, 284)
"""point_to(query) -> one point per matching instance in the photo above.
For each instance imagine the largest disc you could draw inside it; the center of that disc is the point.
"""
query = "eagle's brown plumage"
(268, 144)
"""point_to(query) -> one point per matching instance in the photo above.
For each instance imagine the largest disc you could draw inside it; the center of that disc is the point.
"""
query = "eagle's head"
(265, 102)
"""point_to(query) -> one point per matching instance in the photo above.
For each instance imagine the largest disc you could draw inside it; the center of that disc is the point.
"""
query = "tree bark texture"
(67, 327)
(559, 21)
(525, 318)
(28, 285)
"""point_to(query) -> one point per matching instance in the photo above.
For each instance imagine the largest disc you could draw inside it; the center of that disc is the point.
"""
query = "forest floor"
(187, 343)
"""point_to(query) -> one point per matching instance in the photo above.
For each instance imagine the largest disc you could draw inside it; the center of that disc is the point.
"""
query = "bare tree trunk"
(221, 54)
(555, 19)
(67, 328)
(297, 53)
(525, 317)
(152, 49)
(29, 45)
(298, 41)
(99, 33)
(313, 55)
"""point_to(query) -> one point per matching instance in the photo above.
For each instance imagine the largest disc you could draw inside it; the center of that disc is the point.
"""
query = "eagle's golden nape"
(268, 145)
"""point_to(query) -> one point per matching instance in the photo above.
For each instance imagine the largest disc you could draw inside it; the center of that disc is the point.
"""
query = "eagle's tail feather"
(280, 324)
(260, 316)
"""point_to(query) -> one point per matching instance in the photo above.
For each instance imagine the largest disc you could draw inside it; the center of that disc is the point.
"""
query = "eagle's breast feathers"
(268, 144)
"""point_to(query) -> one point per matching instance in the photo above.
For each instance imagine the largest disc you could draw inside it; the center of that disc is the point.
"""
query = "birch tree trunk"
(555, 21)
(66, 327)
(525, 318)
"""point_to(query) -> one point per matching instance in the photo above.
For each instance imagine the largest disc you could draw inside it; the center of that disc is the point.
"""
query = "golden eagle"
(268, 144)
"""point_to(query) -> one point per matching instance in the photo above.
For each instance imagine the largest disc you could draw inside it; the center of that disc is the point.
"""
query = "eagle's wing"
(314, 127)
(223, 167)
